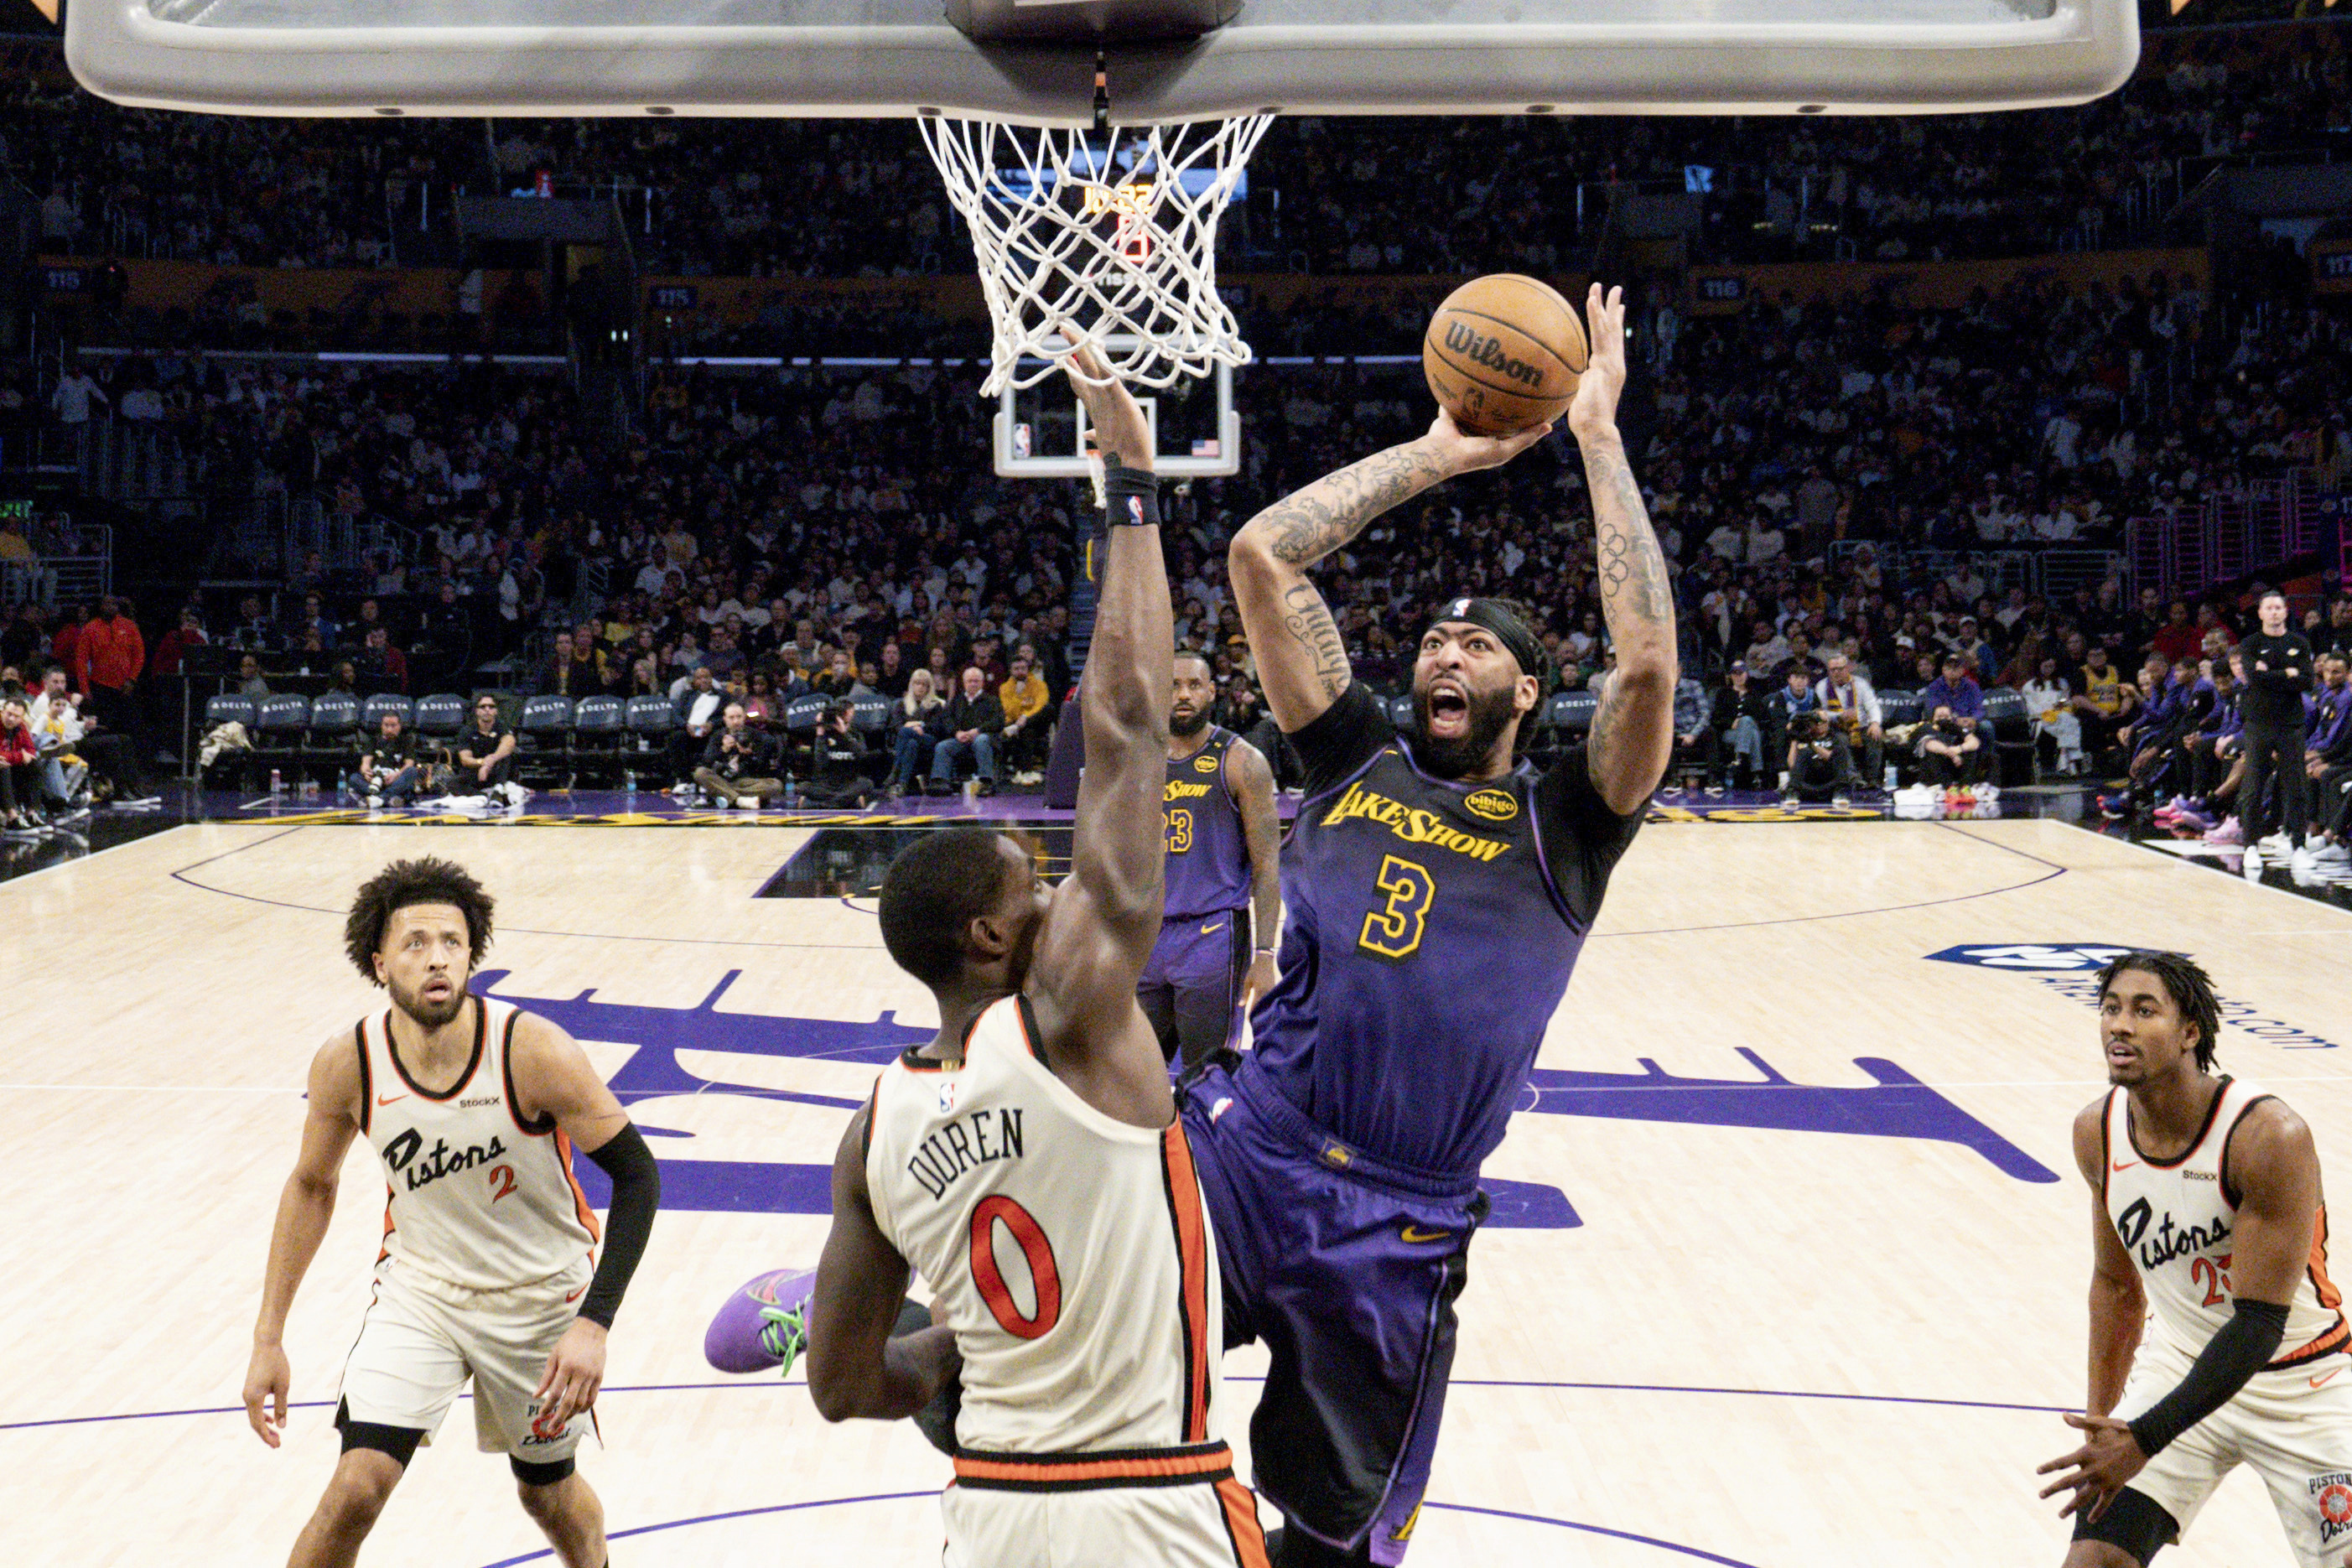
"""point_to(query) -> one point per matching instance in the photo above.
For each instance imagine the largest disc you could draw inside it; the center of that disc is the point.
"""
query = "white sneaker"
(375, 802)
(2329, 856)
(2253, 866)
(2276, 846)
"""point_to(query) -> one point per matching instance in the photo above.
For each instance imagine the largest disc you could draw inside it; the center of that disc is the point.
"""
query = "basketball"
(1504, 353)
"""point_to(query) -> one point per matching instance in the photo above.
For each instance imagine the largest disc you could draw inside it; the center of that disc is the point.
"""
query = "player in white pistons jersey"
(473, 1197)
(488, 1272)
(1028, 1161)
(2217, 1337)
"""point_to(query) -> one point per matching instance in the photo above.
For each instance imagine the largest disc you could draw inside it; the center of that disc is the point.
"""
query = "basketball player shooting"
(488, 1265)
(1028, 1161)
(1215, 951)
(1439, 890)
(2210, 1228)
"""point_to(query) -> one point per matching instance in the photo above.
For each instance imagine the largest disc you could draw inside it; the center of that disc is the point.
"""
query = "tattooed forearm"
(1635, 592)
(1308, 621)
(1306, 527)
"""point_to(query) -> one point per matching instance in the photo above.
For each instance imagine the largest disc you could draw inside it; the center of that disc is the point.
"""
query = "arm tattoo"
(1308, 621)
(1633, 568)
(1324, 516)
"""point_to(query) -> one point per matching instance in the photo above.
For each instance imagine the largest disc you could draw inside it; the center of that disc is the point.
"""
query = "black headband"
(1498, 618)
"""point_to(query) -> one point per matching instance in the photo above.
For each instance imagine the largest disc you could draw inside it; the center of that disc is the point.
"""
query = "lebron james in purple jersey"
(1439, 891)
(1225, 884)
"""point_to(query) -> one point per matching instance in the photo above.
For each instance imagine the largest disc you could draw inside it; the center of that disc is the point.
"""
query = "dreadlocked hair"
(423, 880)
(2185, 981)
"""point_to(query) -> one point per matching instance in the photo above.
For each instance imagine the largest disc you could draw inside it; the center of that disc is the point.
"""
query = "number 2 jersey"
(1433, 928)
(476, 1196)
(2176, 1217)
(1068, 1249)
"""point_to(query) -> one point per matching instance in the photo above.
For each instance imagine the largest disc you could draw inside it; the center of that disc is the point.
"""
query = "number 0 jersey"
(1068, 1250)
(2175, 1217)
(476, 1196)
(1433, 928)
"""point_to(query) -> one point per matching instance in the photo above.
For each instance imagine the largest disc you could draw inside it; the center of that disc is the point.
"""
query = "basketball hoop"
(1106, 234)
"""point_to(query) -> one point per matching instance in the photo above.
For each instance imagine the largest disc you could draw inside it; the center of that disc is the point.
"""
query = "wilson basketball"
(1503, 353)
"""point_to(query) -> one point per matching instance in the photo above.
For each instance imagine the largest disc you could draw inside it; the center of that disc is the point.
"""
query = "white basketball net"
(1097, 235)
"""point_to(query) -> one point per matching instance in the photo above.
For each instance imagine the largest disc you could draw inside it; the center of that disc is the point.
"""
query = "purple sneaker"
(2189, 820)
(761, 1327)
(2228, 834)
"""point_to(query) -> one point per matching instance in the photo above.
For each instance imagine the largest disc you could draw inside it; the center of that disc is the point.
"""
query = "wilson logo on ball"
(1479, 349)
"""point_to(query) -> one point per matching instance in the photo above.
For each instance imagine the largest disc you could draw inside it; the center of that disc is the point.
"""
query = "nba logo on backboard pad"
(1020, 439)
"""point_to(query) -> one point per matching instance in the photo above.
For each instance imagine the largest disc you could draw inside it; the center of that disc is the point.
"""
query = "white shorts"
(2292, 1426)
(423, 1337)
(1070, 1508)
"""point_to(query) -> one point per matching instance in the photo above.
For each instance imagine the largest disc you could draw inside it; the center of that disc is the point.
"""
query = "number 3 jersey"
(1068, 1250)
(2176, 1218)
(1433, 928)
(477, 1197)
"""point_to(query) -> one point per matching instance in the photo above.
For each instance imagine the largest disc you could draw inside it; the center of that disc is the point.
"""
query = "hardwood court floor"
(1780, 1274)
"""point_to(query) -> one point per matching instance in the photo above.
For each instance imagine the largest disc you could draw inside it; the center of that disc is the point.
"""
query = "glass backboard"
(890, 57)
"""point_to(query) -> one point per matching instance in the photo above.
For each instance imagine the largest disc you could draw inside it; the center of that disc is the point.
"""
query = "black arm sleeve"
(636, 1193)
(1342, 738)
(1582, 838)
(2242, 1348)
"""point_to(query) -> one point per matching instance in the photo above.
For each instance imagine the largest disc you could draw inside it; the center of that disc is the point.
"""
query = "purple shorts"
(1348, 1268)
(1197, 952)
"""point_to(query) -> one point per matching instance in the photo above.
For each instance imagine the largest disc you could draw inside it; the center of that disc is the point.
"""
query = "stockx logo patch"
(1892, 1104)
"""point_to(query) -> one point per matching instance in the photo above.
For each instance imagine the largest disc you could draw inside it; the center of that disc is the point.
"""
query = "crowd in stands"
(846, 198)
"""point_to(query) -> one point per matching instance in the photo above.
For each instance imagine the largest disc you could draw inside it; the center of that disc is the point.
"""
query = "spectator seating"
(797, 731)
(650, 720)
(280, 721)
(871, 715)
(438, 717)
(2010, 733)
(373, 710)
(229, 708)
(543, 740)
(597, 734)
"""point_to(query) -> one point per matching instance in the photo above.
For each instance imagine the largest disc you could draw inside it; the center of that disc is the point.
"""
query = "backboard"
(893, 57)
(1040, 431)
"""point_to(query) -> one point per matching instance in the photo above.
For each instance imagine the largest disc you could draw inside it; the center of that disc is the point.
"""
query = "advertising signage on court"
(2071, 969)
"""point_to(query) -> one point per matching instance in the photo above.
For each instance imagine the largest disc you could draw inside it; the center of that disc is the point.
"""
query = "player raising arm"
(1027, 1162)
(2206, 1208)
(1438, 892)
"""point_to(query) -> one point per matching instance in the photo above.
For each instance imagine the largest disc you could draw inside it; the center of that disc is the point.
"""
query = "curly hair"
(423, 880)
(2185, 981)
(933, 891)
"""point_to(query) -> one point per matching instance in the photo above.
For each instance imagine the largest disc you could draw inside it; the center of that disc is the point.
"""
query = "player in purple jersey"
(1215, 950)
(1438, 892)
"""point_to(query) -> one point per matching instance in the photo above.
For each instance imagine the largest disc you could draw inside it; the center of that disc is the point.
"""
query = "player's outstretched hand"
(266, 1383)
(575, 1371)
(1463, 454)
(1594, 410)
(1118, 419)
(2107, 1460)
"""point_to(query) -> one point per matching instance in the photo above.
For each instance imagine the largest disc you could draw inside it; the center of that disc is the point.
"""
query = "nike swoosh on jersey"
(1414, 1233)
(2323, 1377)
(575, 1295)
(1212, 930)
(380, 1100)
(2125, 1166)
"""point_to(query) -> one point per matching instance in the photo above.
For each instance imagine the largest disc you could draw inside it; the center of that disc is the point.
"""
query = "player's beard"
(1490, 713)
(1184, 725)
(429, 1015)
